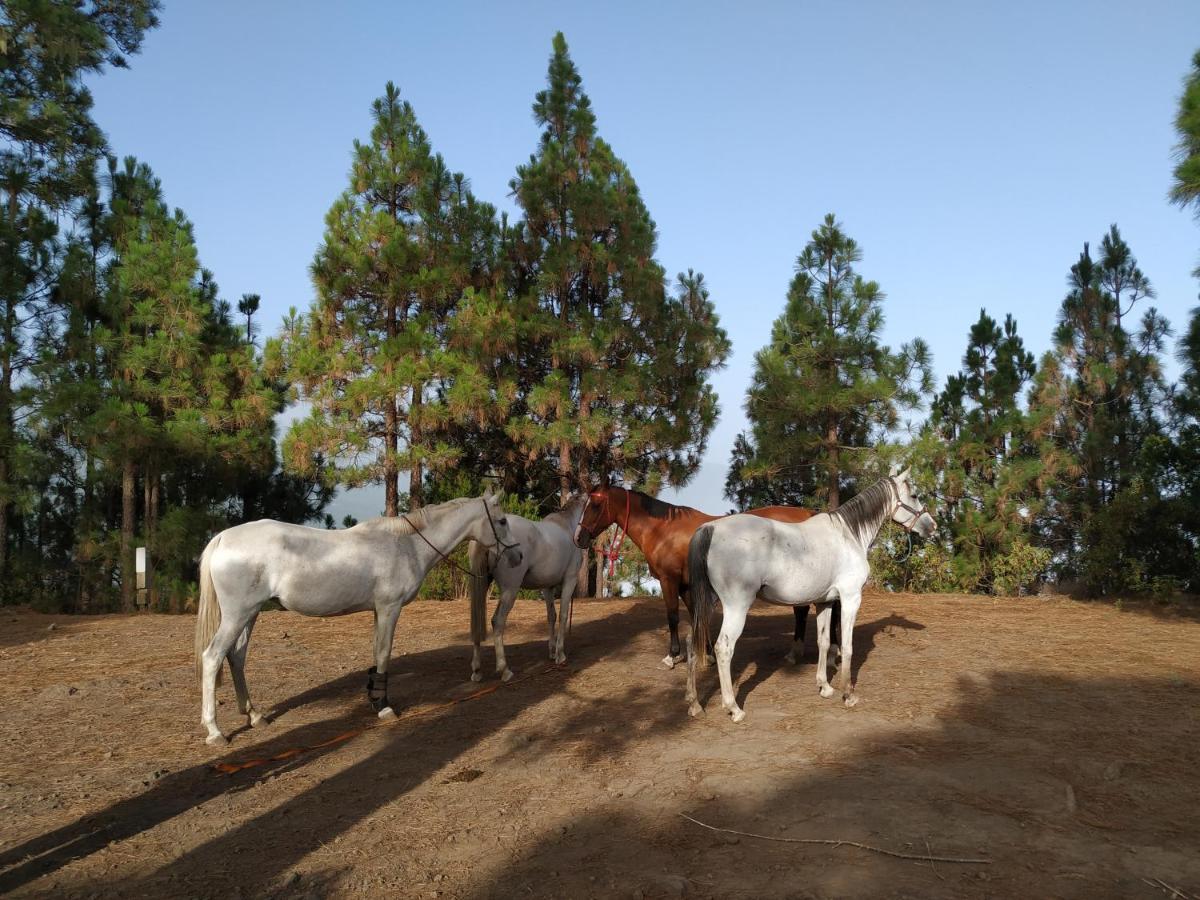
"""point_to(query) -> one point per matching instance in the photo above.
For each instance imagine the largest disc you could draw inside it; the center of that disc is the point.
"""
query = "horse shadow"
(766, 646)
(388, 773)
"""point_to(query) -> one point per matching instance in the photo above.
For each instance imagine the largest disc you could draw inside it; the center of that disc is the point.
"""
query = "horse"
(662, 532)
(824, 558)
(550, 561)
(378, 565)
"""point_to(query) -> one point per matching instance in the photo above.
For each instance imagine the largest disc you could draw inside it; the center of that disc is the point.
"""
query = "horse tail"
(208, 616)
(480, 579)
(702, 593)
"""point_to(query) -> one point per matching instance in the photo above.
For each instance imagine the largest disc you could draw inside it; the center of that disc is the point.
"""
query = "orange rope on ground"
(229, 768)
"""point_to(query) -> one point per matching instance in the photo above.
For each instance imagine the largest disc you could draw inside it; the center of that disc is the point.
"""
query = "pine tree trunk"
(601, 576)
(831, 438)
(416, 492)
(582, 588)
(128, 560)
(4, 475)
(391, 471)
(151, 491)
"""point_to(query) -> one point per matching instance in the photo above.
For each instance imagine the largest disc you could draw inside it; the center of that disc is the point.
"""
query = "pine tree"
(1185, 191)
(624, 366)
(989, 472)
(248, 306)
(825, 390)
(402, 245)
(1098, 398)
(50, 146)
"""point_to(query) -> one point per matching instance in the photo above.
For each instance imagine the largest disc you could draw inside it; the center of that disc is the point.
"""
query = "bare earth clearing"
(1058, 739)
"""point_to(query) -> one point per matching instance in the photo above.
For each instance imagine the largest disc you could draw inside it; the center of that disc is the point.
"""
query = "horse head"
(910, 512)
(597, 516)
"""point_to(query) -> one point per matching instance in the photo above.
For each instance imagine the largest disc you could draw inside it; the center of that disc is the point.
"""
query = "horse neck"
(877, 515)
(445, 532)
(639, 521)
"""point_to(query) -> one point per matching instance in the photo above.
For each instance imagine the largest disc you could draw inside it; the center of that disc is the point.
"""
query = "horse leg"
(731, 629)
(548, 597)
(564, 618)
(689, 695)
(797, 652)
(507, 596)
(835, 629)
(849, 602)
(670, 589)
(385, 633)
(685, 595)
(824, 613)
(237, 668)
(232, 625)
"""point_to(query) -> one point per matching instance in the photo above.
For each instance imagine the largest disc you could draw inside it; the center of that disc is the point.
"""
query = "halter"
(447, 559)
(915, 513)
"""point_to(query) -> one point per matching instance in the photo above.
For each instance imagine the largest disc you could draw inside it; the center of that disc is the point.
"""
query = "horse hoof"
(712, 660)
(216, 740)
(560, 659)
(507, 675)
(259, 721)
(850, 700)
(790, 659)
(695, 710)
(737, 715)
(826, 691)
(669, 661)
(476, 676)
(387, 713)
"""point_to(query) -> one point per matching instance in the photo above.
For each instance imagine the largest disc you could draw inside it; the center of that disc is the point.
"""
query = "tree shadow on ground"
(1071, 787)
(412, 751)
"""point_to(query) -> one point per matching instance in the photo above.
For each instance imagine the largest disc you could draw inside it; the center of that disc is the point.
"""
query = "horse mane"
(660, 509)
(564, 515)
(411, 522)
(865, 513)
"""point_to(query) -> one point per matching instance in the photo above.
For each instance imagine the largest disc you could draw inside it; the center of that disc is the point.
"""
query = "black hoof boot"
(377, 689)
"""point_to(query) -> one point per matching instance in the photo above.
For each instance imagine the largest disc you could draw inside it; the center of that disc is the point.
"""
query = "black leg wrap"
(377, 689)
(801, 613)
(673, 625)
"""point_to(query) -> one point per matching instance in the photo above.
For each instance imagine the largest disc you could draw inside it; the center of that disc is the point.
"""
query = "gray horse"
(549, 561)
(377, 566)
(742, 558)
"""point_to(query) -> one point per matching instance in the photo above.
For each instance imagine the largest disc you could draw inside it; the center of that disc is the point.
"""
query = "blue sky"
(970, 148)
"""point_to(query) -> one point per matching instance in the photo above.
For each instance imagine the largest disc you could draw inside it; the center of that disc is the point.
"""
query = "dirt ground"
(1060, 740)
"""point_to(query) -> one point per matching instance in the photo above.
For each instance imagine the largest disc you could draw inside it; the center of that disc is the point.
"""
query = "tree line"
(1080, 467)
(447, 345)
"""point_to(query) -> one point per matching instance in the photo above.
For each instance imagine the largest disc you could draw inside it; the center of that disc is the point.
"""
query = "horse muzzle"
(583, 537)
(925, 526)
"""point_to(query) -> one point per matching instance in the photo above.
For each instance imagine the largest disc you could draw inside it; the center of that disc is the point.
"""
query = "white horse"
(550, 561)
(742, 557)
(378, 566)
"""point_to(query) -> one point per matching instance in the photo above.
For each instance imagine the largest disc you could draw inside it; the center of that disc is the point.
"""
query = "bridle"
(495, 533)
(446, 558)
(914, 512)
(589, 530)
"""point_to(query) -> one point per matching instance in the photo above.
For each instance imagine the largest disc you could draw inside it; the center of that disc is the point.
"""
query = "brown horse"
(662, 531)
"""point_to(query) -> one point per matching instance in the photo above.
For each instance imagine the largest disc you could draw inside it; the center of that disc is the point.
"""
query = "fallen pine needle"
(1172, 892)
(838, 843)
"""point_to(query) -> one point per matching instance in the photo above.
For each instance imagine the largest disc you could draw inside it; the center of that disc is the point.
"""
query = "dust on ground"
(1058, 739)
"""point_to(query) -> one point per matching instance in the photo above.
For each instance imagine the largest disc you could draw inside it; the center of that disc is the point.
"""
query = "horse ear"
(893, 470)
(905, 475)
(488, 493)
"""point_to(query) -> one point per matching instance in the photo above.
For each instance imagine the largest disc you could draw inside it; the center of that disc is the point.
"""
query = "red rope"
(614, 546)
